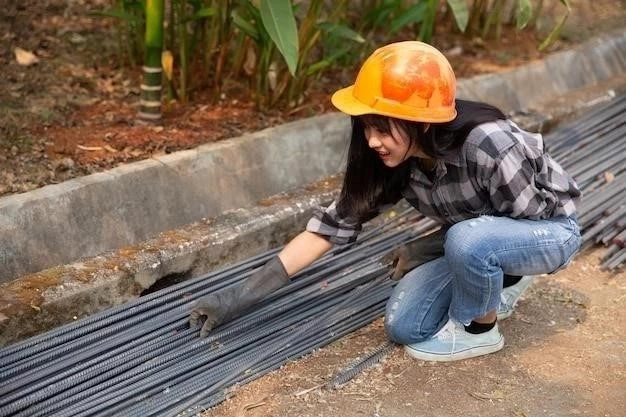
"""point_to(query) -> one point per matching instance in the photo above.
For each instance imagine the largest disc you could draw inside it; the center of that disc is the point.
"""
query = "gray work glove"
(226, 304)
(410, 255)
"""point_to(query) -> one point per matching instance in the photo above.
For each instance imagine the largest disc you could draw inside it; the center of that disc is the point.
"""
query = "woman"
(508, 209)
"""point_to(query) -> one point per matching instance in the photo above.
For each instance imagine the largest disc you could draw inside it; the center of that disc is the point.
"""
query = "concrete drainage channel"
(106, 220)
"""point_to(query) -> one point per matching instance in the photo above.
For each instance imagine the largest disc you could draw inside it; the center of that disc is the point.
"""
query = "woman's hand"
(408, 256)
(224, 305)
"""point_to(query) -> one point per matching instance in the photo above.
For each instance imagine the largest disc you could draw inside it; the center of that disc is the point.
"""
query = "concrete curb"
(86, 216)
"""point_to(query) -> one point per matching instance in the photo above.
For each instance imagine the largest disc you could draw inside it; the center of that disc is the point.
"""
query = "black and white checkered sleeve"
(328, 224)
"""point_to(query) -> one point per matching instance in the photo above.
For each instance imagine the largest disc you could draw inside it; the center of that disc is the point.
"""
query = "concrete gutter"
(47, 299)
(137, 201)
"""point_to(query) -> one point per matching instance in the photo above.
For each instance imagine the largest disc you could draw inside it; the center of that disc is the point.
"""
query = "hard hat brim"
(345, 102)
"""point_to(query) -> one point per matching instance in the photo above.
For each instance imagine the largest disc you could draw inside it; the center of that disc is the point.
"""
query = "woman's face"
(392, 147)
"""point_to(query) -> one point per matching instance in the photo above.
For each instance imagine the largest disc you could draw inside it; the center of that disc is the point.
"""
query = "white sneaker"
(452, 343)
(511, 295)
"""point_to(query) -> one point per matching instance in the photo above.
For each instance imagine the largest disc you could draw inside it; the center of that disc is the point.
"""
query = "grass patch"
(13, 132)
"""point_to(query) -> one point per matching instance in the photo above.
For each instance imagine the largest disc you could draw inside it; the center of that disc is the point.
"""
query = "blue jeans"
(466, 282)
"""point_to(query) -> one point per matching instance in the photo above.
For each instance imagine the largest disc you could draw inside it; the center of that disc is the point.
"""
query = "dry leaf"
(167, 62)
(89, 148)
(34, 307)
(609, 177)
(24, 57)
(306, 391)
(495, 395)
(77, 38)
(250, 63)
(110, 148)
(272, 76)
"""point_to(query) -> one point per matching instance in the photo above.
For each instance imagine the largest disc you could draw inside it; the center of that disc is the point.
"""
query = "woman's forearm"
(302, 251)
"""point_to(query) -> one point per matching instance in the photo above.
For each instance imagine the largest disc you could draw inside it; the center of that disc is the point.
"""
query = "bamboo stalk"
(183, 50)
(494, 17)
(150, 109)
(536, 14)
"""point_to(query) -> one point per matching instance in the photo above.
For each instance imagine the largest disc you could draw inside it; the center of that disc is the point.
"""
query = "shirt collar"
(453, 158)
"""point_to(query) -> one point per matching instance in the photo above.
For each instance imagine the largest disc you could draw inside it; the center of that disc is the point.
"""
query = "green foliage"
(282, 46)
(460, 11)
(413, 14)
(558, 28)
(130, 31)
(524, 13)
(380, 12)
(203, 12)
(280, 23)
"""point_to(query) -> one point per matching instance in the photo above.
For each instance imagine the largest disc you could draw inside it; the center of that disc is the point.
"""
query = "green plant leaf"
(341, 31)
(556, 32)
(138, 6)
(204, 12)
(317, 67)
(117, 14)
(326, 62)
(524, 13)
(414, 14)
(460, 12)
(245, 26)
(381, 13)
(196, 4)
(280, 23)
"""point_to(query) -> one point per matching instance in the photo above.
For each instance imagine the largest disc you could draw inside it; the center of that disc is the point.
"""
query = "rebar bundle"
(142, 359)
(593, 151)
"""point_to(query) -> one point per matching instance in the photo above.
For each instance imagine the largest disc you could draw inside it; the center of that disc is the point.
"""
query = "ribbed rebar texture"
(141, 358)
(360, 365)
(593, 151)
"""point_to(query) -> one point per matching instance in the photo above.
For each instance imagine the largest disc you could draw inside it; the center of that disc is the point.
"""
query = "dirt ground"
(73, 112)
(565, 355)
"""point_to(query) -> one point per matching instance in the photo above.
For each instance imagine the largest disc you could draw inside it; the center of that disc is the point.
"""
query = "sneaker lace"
(447, 332)
(504, 300)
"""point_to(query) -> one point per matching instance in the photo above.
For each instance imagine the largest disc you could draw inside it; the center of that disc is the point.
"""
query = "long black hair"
(368, 183)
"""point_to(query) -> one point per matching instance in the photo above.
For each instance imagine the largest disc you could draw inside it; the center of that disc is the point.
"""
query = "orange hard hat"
(407, 80)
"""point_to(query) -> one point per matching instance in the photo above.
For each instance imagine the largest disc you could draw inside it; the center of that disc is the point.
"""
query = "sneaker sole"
(466, 354)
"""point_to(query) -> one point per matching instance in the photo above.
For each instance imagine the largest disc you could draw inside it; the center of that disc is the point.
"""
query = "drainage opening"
(166, 281)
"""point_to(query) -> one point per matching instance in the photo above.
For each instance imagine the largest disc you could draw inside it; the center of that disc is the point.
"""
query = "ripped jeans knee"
(418, 306)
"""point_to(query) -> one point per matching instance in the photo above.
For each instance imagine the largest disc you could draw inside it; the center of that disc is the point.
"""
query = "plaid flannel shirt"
(500, 170)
